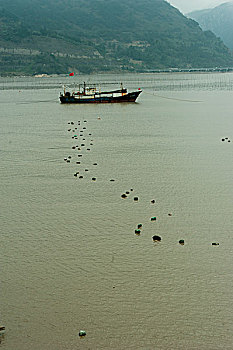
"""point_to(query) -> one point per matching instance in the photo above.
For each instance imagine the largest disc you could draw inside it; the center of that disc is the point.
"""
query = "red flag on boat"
(71, 74)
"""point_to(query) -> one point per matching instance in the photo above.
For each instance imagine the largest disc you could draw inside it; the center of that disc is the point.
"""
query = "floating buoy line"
(88, 167)
(81, 133)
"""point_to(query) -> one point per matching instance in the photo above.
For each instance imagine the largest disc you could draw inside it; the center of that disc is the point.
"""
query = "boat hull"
(130, 97)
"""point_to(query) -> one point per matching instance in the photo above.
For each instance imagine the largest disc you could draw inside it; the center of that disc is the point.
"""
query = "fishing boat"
(91, 94)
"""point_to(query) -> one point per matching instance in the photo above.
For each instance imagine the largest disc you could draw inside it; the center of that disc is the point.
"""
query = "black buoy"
(223, 139)
(81, 177)
(76, 174)
(69, 157)
(88, 149)
(181, 241)
(94, 163)
(127, 192)
(215, 243)
(73, 147)
(86, 170)
(153, 218)
(80, 155)
(135, 199)
(156, 238)
(137, 232)
(131, 189)
(139, 225)
(123, 195)
(82, 333)
(112, 180)
(78, 162)
(153, 201)
(94, 179)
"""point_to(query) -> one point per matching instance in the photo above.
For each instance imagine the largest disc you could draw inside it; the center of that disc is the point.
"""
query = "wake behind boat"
(93, 95)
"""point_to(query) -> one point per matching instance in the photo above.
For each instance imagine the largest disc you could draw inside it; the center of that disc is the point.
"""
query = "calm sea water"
(69, 257)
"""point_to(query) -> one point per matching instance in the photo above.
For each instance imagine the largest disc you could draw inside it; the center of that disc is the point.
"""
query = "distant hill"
(219, 20)
(57, 36)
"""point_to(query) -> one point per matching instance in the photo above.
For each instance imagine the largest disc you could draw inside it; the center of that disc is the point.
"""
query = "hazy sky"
(191, 5)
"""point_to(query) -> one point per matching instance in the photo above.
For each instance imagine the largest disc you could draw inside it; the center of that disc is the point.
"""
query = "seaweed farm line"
(155, 81)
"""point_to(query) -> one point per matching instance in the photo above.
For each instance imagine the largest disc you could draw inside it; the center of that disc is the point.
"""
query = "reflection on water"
(70, 257)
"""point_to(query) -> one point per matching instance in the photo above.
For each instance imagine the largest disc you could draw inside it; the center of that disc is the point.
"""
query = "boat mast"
(84, 87)
(121, 89)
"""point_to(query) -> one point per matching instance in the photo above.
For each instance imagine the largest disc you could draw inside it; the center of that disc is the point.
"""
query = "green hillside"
(54, 36)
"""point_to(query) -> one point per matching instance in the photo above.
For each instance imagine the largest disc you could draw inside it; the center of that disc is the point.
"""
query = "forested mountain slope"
(55, 36)
(219, 20)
